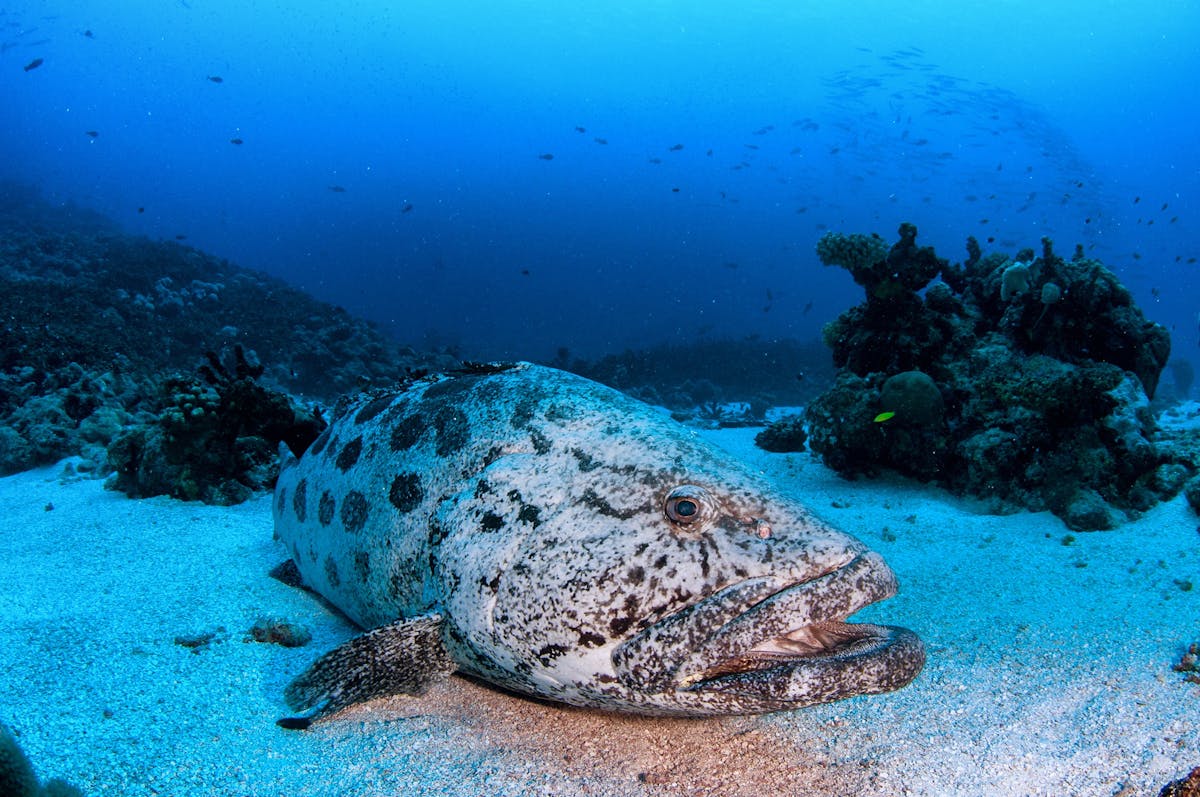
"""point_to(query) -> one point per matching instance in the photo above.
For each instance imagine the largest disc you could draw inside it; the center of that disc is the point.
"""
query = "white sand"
(1049, 665)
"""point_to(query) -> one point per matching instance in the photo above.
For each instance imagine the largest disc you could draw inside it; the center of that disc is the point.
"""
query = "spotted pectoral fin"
(401, 658)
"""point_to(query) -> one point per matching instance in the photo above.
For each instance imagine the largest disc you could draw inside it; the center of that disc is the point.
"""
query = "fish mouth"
(759, 645)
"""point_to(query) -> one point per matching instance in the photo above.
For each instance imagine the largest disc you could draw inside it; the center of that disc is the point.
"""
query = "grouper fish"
(557, 538)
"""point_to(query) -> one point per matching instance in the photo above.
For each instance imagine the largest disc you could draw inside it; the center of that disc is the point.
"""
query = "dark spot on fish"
(34, 64)
(216, 78)
(325, 508)
(322, 439)
(587, 463)
(660, 562)
(529, 514)
(406, 433)
(541, 444)
(235, 141)
(349, 455)
(491, 522)
(546, 156)
(636, 575)
(92, 133)
(362, 566)
(300, 500)
(406, 493)
(354, 511)
(452, 430)
(620, 625)
(548, 653)
(331, 572)
(373, 408)
(601, 505)
(281, 494)
(591, 640)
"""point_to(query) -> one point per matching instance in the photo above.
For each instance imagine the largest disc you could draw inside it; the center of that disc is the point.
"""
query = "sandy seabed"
(1049, 664)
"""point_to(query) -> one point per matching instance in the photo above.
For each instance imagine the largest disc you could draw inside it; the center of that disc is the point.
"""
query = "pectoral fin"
(403, 657)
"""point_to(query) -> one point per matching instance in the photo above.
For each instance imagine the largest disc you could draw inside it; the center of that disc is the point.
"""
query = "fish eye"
(685, 504)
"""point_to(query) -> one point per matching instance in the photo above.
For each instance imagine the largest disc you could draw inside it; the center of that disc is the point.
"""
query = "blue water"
(735, 135)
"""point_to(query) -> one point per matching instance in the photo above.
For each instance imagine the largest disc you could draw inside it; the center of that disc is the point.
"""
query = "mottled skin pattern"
(582, 547)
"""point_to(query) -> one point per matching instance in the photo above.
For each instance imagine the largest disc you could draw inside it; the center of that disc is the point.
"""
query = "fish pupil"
(686, 508)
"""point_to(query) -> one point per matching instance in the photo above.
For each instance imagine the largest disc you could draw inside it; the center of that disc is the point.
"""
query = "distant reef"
(1022, 380)
(102, 332)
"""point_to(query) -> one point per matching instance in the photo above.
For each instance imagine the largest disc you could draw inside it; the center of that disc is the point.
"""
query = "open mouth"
(775, 648)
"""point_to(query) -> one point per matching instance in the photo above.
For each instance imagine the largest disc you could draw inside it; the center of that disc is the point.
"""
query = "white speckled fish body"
(580, 546)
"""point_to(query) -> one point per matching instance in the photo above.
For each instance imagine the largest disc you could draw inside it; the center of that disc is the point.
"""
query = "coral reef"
(94, 320)
(215, 438)
(1024, 381)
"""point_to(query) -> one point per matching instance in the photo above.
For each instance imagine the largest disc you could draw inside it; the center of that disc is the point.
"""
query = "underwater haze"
(510, 178)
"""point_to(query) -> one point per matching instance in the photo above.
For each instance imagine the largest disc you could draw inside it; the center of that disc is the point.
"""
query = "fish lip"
(772, 645)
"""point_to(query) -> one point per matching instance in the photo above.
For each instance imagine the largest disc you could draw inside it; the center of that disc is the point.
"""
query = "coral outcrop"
(94, 319)
(215, 437)
(1022, 380)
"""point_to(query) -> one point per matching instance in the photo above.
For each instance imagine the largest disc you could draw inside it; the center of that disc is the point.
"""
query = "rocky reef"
(213, 437)
(95, 320)
(1024, 380)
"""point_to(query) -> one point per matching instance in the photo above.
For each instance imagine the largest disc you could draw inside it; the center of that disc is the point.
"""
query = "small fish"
(579, 129)
(34, 64)
(235, 141)
(675, 148)
(884, 416)
(89, 34)
(546, 156)
(1164, 207)
(91, 133)
(674, 190)
(807, 308)
(1137, 199)
(141, 210)
(337, 189)
(655, 160)
(524, 272)
(1173, 220)
(216, 78)
(407, 208)
(181, 237)
(600, 140)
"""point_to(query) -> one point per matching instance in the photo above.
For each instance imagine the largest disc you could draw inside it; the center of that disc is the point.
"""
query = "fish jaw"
(761, 645)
